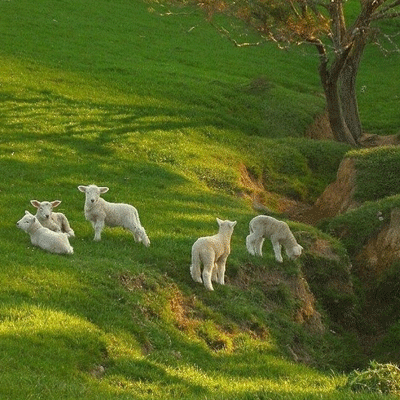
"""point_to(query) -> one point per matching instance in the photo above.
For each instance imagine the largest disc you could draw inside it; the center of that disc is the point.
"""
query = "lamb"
(54, 242)
(56, 222)
(278, 232)
(100, 212)
(213, 252)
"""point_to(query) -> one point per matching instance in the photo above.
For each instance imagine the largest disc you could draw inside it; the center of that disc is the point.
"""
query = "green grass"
(377, 182)
(163, 111)
(377, 173)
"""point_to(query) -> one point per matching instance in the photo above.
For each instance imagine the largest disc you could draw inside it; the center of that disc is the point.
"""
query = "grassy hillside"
(166, 113)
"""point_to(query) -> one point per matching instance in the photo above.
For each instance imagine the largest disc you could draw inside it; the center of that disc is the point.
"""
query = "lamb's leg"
(277, 250)
(214, 276)
(131, 225)
(221, 270)
(141, 236)
(258, 243)
(48, 223)
(207, 271)
(195, 267)
(138, 232)
(67, 228)
(98, 227)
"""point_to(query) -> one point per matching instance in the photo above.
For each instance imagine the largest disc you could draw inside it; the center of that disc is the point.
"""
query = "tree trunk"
(348, 99)
(348, 93)
(337, 122)
(330, 82)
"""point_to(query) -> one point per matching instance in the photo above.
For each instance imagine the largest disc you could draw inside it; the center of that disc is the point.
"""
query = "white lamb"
(213, 252)
(100, 212)
(56, 222)
(278, 232)
(54, 242)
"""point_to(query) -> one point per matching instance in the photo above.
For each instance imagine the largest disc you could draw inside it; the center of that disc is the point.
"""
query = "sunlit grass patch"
(44, 332)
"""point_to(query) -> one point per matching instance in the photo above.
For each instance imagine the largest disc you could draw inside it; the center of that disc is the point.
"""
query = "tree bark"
(348, 92)
(348, 99)
(337, 121)
(330, 77)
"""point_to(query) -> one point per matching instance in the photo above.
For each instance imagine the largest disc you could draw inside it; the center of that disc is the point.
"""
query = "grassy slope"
(163, 111)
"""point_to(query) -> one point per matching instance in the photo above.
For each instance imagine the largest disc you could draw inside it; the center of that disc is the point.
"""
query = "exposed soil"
(321, 130)
(336, 199)
(378, 253)
(272, 282)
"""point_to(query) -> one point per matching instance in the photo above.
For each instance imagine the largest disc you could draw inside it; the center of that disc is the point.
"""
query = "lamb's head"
(45, 208)
(226, 227)
(26, 221)
(294, 252)
(92, 193)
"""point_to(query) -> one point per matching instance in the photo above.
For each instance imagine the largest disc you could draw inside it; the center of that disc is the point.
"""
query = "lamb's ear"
(219, 221)
(233, 223)
(104, 189)
(35, 203)
(56, 203)
(82, 188)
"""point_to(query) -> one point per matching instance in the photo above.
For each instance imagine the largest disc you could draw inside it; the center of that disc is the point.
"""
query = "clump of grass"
(294, 167)
(377, 172)
(356, 226)
(378, 378)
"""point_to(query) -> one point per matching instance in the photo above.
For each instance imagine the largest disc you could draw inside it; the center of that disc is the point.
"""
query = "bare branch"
(388, 15)
(389, 38)
(387, 11)
(227, 34)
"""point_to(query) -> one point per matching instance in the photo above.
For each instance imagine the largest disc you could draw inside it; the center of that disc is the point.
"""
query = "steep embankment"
(361, 208)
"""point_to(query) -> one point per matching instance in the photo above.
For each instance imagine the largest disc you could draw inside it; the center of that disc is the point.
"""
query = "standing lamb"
(213, 252)
(56, 222)
(278, 232)
(100, 212)
(54, 242)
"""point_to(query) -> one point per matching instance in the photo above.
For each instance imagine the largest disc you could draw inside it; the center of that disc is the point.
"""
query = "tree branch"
(387, 11)
(340, 61)
(227, 34)
(387, 15)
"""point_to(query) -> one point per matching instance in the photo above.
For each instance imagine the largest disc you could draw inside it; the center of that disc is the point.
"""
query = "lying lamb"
(213, 252)
(100, 212)
(56, 222)
(278, 232)
(54, 242)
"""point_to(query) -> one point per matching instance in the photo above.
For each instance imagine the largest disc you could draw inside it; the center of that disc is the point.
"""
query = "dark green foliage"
(388, 347)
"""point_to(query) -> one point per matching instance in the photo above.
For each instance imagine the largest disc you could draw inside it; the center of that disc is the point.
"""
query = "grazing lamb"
(54, 242)
(278, 232)
(56, 222)
(213, 252)
(100, 212)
